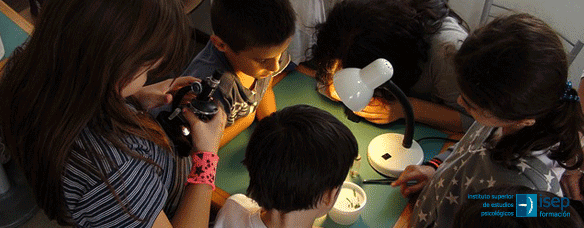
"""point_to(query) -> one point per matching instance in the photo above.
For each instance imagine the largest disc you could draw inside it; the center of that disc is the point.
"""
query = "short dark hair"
(295, 155)
(361, 31)
(252, 23)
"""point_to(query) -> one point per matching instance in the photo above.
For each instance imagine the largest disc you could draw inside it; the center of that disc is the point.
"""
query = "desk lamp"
(389, 154)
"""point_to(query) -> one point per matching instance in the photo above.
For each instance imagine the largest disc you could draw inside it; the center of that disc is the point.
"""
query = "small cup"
(350, 203)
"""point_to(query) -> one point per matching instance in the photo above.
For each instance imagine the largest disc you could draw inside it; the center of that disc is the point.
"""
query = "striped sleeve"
(137, 186)
(141, 188)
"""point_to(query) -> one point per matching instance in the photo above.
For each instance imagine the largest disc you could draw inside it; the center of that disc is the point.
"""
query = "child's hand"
(159, 94)
(380, 111)
(206, 135)
(328, 91)
(419, 173)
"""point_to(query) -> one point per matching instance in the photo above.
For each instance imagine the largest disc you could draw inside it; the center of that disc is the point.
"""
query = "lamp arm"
(408, 111)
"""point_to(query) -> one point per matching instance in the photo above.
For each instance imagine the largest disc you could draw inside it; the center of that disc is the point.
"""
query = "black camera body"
(174, 123)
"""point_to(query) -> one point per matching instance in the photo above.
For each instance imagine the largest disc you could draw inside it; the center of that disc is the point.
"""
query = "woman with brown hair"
(74, 116)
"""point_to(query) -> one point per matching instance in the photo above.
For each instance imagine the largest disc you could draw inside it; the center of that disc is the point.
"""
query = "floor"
(41, 220)
(22, 7)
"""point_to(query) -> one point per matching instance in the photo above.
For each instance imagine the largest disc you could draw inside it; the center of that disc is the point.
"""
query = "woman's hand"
(159, 94)
(380, 111)
(419, 173)
(206, 135)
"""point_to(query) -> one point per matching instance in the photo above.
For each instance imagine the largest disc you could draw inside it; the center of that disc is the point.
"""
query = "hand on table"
(419, 173)
(159, 94)
(206, 136)
(380, 111)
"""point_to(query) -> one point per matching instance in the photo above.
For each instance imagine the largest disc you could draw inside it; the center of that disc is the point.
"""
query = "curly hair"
(358, 32)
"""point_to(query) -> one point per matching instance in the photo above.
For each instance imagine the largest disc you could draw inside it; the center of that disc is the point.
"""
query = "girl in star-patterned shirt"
(512, 75)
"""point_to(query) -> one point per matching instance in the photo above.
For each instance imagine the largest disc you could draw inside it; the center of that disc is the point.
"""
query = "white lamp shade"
(1, 49)
(354, 93)
(355, 86)
(377, 73)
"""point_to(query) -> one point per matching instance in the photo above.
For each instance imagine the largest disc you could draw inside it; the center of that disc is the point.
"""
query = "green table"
(384, 203)
(13, 29)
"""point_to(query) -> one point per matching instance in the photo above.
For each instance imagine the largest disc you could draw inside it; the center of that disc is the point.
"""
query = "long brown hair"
(516, 68)
(69, 77)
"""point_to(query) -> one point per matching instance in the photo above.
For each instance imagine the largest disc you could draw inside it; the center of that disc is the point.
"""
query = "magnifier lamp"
(389, 154)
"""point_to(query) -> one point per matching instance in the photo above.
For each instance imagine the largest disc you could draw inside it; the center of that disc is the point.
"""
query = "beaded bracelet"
(434, 163)
(204, 168)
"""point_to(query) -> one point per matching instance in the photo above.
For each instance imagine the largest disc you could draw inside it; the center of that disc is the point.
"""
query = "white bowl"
(350, 203)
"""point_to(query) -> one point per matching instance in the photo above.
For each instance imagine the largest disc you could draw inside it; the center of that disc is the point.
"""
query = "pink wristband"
(204, 168)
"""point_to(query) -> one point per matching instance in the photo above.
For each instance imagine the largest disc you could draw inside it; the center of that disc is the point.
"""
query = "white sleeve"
(237, 212)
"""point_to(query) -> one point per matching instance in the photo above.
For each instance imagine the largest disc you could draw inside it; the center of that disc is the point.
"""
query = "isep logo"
(526, 205)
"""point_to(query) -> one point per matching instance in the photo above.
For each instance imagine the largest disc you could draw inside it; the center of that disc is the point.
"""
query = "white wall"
(566, 16)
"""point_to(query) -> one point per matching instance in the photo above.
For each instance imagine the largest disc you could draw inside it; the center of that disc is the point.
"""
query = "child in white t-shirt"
(297, 159)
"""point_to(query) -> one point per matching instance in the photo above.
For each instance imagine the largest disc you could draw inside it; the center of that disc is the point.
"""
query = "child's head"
(253, 34)
(512, 74)
(472, 212)
(358, 32)
(296, 157)
(106, 43)
(72, 73)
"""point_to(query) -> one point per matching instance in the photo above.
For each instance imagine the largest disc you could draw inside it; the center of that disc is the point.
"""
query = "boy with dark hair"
(249, 43)
(297, 159)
